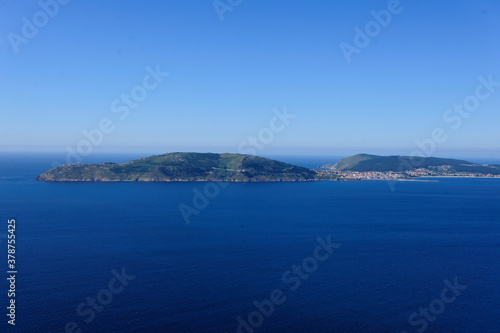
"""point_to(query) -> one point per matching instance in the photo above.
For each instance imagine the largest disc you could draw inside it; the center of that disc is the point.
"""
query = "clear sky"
(227, 76)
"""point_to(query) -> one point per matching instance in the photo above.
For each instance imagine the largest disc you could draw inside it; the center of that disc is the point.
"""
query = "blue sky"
(226, 77)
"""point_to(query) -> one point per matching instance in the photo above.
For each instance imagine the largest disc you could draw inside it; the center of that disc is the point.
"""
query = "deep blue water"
(396, 248)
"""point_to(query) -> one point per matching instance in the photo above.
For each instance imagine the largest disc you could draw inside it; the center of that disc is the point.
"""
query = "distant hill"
(184, 167)
(366, 162)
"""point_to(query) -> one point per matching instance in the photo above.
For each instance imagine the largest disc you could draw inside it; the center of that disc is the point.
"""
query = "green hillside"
(184, 167)
(365, 162)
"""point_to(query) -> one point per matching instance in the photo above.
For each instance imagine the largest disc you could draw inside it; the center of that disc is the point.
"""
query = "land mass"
(174, 167)
(184, 167)
(365, 166)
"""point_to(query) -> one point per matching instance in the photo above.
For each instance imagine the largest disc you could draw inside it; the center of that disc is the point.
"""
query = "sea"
(370, 256)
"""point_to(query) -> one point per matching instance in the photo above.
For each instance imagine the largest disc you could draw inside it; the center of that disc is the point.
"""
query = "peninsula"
(366, 167)
(175, 167)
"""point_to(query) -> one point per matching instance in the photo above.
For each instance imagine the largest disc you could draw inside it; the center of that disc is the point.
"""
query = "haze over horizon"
(227, 79)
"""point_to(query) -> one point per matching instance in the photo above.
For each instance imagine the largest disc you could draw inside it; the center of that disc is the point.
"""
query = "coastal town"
(437, 171)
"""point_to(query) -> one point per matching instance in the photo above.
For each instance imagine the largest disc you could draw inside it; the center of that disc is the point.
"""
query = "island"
(176, 167)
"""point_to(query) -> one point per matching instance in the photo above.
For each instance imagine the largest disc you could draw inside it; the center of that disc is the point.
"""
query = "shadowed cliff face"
(184, 167)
